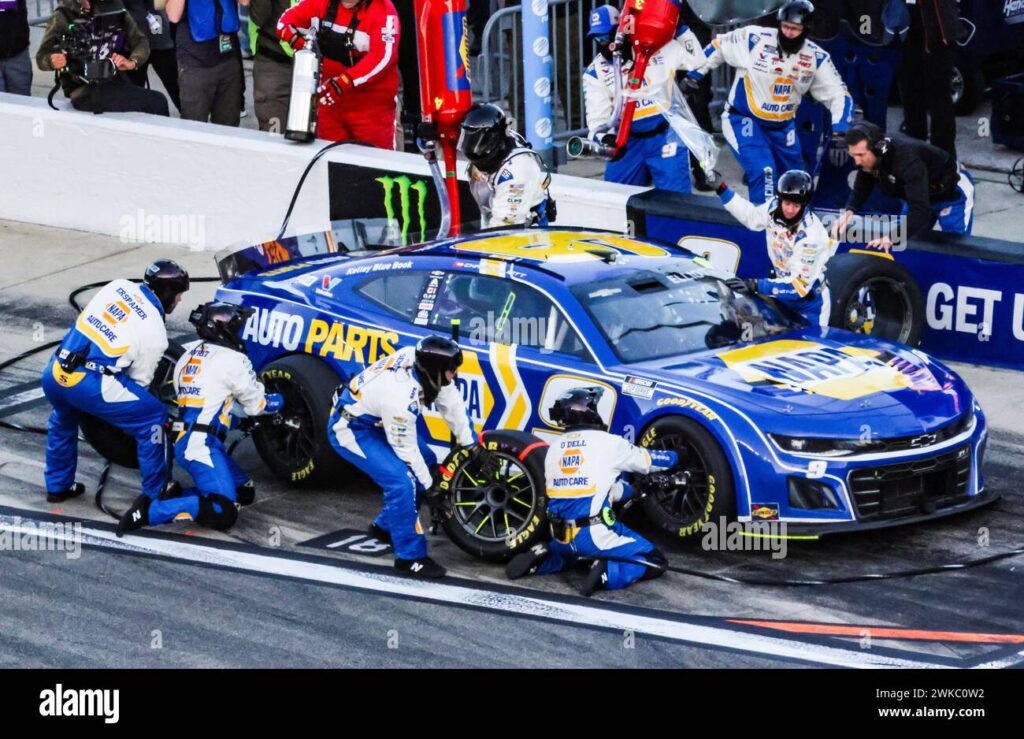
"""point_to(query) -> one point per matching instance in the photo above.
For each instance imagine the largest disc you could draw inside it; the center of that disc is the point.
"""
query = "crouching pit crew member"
(212, 380)
(373, 426)
(508, 179)
(929, 181)
(582, 474)
(103, 368)
(798, 244)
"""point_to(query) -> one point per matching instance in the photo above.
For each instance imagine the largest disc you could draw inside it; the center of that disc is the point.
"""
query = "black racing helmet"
(485, 139)
(795, 11)
(577, 408)
(796, 186)
(167, 279)
(436, 355)
(221, 323)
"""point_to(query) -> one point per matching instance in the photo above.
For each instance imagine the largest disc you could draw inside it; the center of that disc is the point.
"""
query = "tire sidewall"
(512, 443)
(848, 272)
(721, 488)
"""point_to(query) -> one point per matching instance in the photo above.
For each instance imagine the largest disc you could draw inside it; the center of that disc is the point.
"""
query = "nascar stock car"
(773, 419)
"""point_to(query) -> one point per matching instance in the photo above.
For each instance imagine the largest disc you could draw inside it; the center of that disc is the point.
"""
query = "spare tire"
(298, 450)
(115, 445)
(498, 494)
(873, 294)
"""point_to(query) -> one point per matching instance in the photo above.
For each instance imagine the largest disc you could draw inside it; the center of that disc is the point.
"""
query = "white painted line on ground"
(1011, 660)
(578, 614)
(24, 397)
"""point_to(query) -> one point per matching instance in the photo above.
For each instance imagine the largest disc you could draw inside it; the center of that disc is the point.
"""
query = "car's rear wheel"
(707, 493)
(115, 445)
(498, 495)
(297, 449)
(877, 296)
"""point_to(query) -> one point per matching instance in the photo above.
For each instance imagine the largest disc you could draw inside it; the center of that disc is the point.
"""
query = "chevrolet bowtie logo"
(923, 440)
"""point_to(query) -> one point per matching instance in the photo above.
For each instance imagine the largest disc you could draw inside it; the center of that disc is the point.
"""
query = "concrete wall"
(144, 178)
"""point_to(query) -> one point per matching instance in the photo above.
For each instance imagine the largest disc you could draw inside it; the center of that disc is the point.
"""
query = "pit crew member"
(213, 379)
(799, 246)
(776, 68)
(103, 368)
(508, 179)
(359, 73)
(932, 185)
(582, 473)
(654, 152)
(373, 426)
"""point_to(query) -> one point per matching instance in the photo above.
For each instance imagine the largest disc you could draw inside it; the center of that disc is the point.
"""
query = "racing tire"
(709, 493)
(875, 295)
(297, 450)
(506, 513)
(113, 444)
(967, 89)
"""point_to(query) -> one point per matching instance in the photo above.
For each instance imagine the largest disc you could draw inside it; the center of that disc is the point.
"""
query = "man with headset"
(932, 184)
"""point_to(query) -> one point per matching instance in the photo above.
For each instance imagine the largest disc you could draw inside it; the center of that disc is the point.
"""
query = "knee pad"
(655, 557)
(217, 512)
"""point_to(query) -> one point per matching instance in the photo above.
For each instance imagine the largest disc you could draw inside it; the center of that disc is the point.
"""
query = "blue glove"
(661, 459)
(275, 402)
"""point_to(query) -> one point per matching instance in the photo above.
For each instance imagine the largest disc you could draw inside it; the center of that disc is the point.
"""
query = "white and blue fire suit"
(119, 339)
(212, 383)
(654, 152)
(798, 255)
(759, 118)
(373, 426)
(516, 193)
(581, 472)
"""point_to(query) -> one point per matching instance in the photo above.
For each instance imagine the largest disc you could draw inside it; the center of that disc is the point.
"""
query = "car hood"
(844, 380)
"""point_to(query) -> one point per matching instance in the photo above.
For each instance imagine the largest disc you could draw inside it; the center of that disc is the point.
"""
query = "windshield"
(679, 309)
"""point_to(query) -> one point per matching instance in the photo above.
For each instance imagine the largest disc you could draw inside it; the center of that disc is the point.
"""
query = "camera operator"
(92, 44)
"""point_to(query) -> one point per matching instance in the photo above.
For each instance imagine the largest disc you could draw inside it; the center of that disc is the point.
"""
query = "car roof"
(573, 256)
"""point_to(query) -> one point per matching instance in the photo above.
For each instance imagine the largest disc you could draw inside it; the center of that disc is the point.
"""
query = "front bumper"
(868, 491)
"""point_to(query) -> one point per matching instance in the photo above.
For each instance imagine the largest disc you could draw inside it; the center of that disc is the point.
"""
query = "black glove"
(747, 287)
(608, 140)
(655, 482)
(690, 84)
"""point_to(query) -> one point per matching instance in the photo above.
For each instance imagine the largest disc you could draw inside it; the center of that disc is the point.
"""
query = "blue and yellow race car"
(774, 420)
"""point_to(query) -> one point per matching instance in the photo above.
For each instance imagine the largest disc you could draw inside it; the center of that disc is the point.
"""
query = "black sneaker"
(526, 563)
(378, 533)
(245, 494)
(135, 517)
(72, 492)
(596, 579)
(424, 568)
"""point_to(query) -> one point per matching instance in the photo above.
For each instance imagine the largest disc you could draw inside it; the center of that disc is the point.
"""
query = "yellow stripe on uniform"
(572, 492)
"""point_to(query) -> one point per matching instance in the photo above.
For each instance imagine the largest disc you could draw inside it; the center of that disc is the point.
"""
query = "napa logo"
(782, 88)
(456, 51)
(116, 312)
(191, 370)
(402, 188)
(570, 462)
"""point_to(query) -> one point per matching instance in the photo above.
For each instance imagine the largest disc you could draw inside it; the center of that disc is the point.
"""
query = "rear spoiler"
(234, 262)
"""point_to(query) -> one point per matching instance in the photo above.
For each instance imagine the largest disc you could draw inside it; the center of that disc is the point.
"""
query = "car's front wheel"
(705, 492)
(296, 448)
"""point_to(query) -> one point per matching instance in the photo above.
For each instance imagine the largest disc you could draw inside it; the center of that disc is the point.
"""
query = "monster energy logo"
(405, 185)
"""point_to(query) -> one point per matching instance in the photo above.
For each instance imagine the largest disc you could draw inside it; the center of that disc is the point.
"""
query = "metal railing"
(43, 11)
(500, 67)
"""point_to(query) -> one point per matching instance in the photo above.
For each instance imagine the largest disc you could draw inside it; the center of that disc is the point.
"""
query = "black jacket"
(913, 171)
(940, 20)
(14, 30)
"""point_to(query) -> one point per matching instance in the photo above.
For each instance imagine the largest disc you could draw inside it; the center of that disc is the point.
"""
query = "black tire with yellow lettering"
(707, 495)
(872, 294)
(498, 495)
(115, 445)
(297, 450)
